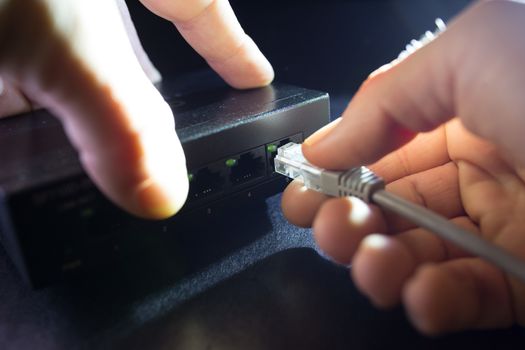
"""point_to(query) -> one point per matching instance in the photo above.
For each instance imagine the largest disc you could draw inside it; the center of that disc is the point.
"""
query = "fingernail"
(321, 134)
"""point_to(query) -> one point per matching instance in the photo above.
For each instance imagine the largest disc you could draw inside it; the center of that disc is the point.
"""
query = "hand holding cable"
(362, 183)
(444, 128)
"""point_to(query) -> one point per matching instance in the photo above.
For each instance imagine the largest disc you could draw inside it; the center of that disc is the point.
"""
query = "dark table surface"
(274, 291)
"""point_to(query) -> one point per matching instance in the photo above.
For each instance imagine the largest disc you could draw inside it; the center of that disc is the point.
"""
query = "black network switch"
(55, 222)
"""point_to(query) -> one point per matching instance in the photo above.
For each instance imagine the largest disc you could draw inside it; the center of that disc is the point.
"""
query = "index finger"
(388, 111)
(456, 74)
(212, 29)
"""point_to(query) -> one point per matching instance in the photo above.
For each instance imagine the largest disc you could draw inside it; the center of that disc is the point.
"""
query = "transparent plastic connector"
(358, 182)
(290, 162)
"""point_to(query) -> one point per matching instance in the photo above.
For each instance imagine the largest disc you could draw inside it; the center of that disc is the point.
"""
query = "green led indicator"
(190, 177)
(271, 148)
(231, 162)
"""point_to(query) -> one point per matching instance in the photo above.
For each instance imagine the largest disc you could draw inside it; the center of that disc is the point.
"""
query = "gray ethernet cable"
(362, 183)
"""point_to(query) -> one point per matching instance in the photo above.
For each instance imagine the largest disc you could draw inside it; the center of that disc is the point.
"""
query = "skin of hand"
(469, 168)
(74, 58)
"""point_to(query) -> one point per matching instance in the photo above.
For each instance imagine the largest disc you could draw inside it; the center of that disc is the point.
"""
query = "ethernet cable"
(424, 40)
(363, 183)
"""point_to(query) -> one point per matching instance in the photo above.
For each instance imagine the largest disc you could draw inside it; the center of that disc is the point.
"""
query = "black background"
(276, 292)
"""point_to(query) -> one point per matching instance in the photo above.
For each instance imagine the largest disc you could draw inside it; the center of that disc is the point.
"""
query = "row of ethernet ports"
(235, 171)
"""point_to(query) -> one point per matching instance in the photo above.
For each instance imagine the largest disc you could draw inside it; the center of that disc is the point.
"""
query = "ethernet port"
(249, 166)
(271, 149)
(204, 183)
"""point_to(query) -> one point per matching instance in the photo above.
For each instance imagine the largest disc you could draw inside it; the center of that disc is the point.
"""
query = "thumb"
(472, 71)
(75, 59)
